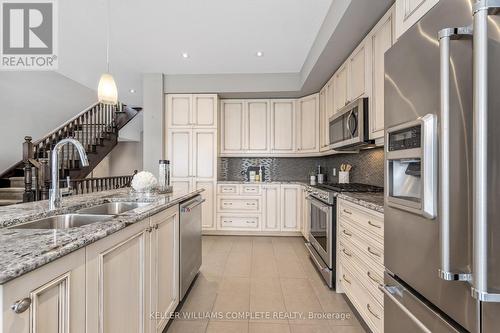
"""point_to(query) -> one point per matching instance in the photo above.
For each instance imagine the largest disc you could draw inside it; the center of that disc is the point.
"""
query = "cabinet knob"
(21, 305)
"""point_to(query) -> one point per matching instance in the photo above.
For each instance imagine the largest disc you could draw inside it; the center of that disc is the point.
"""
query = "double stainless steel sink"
(98, 213)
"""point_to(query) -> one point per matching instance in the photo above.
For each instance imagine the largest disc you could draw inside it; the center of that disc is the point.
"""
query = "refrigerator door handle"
(480, 230)
(389, 291)
(446, 272)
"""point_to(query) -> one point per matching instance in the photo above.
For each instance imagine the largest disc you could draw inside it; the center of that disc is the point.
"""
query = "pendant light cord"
(107, 33)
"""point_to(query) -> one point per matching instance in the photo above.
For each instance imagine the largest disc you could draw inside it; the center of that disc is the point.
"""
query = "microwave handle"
(348, 123)
(446, 270)
(481, 288)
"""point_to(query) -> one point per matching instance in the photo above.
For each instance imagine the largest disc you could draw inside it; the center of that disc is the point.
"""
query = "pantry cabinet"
(118, 281)
(380, 40)
(193, 157)
(191, 110)
(48, 299)
(308, 124)
(409, 12)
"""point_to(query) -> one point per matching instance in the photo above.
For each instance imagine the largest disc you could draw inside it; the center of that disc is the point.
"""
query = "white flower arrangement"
(144, 181)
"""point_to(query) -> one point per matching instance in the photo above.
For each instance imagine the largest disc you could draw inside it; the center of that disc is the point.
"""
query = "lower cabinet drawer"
(238, 222)
(237, 204)
(371, 249)
(370, 277)
(250, 189)
(371, 311)
(227, 189)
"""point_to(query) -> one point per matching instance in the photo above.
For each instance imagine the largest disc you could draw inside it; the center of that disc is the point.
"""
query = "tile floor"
(270, 278)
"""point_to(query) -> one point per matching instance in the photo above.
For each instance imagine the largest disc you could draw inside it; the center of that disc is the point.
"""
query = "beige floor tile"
(238, 264)
(264, 266)
(268, 328)
(322, 328)
(227, 327)
(230, 305)
(202, 295)
(300, 298)
(214, 264)
(178, 326)
(234, 285)
(348, 329)
(266, 299)
(290, 267)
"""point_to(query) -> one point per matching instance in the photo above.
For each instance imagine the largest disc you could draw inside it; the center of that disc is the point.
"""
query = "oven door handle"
(318, 204)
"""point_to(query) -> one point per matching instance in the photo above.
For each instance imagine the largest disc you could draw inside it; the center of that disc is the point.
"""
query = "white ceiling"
(221, 37)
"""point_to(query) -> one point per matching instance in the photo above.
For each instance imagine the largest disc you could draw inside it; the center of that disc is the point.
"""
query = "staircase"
(96, 128)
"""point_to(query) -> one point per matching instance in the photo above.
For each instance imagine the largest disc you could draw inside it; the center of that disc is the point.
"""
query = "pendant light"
(107, 91)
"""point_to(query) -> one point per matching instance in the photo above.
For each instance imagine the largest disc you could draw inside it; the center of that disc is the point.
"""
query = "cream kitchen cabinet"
(307, 137)
(283, 126)
(191, 110)
(409, 12)
(380, 40)
(164, 267)
(271, 208)
(118, 281)
(245, 127)
(323, 121)
(359, 72)
(193, 157)
(48, 299)
(232, 114)
(259, 208)
(341, 88)
(257, 126)
(360, 250)
(291, 208)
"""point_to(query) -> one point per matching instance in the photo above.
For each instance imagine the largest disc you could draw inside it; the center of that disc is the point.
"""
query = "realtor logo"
(28, 37)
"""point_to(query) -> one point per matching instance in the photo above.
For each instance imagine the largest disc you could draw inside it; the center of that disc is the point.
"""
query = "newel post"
(28, 154)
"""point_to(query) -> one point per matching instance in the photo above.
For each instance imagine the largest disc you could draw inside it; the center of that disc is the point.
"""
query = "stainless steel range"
(323, 224)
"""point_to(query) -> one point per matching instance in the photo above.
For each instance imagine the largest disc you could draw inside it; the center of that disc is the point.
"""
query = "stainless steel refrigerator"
(442, 193)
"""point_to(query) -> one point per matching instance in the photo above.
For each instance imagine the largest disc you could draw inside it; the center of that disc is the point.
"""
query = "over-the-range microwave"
(349, 127)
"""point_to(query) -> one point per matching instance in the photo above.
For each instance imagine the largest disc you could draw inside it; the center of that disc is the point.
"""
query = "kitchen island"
(106, 276)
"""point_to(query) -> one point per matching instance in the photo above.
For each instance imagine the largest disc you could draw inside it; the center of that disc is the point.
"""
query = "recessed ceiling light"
(132, 91)
(185, 55)
(259, 54)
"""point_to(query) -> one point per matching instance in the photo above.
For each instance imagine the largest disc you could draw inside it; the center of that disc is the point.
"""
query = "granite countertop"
(23, 250)
(297, 182)
(370, 200)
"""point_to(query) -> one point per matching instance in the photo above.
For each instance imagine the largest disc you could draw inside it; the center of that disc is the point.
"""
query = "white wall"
(121, 161)
(35, 103)
(153, 110)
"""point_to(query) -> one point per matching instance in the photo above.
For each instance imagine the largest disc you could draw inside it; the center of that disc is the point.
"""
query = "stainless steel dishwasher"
(190, 242)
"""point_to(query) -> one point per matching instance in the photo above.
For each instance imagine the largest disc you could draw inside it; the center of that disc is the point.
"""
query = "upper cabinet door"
(308, 124)
(204, 154)
(341, 88)
(232, 131)
(205, 111)
(179, 152)
(283, 126)
(323, 120)
(381, 40)
(257, 126)
(179, 110)
(358, 73)
(409, 12)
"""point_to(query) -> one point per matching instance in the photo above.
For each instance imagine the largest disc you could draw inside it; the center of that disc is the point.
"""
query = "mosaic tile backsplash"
(368, 167)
